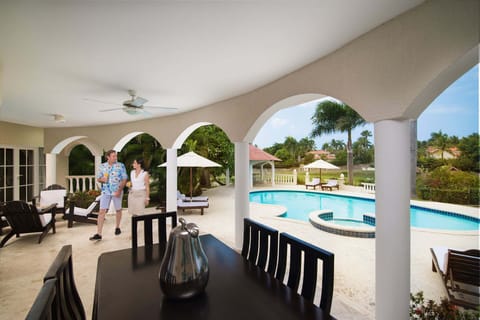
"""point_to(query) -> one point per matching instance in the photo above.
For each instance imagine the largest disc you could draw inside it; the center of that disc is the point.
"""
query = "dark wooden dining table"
(127, 287)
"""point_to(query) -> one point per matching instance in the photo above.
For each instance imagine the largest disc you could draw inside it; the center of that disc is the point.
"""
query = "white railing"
(80, 183)
(368, 187)
(285, 179)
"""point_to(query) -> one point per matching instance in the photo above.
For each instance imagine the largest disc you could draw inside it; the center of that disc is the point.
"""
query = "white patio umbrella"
(191, 159)
(321, 164)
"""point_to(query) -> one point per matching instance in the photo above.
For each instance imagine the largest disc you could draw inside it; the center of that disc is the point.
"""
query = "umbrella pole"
(191, 185)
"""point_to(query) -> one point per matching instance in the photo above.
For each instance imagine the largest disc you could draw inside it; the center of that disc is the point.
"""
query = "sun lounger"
(183, 205)
(313, 184)
(330, 185)
(183, 197)
(460, 274)
(81, 214)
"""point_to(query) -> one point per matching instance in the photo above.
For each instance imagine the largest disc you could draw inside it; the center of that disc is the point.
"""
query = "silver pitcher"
(184, 269)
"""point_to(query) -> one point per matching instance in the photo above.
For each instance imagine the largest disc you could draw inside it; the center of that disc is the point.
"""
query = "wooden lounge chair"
(183, 205)
(81, 214)
(54, 193)
(330, 185)
(25, 218)
(460, 274)
(313, 184)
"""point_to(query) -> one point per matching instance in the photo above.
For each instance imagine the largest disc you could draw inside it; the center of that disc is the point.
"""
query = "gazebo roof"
(257, 154)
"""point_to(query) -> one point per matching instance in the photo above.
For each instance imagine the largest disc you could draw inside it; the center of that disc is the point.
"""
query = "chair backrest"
(67, 303)
(43, 304)
(22, 217)
(332, 182)
(464, 267)
(308, 269)
(57, 196)
(260, 244)
(148, 229)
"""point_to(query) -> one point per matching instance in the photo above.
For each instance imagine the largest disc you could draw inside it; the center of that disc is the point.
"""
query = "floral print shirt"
(115, 173)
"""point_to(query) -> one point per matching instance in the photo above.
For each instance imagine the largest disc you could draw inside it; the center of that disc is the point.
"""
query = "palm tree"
(332, 116)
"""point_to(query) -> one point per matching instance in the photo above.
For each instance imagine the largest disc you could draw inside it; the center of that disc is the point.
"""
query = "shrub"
(430, 310)
(83, 199)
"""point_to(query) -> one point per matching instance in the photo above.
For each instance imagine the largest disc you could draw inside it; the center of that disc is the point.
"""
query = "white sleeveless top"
(138, 183)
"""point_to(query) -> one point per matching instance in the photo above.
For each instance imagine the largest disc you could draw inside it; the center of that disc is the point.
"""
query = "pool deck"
(23, 262)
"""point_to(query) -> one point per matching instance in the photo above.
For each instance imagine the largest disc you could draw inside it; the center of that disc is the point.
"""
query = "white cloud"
(278, 122)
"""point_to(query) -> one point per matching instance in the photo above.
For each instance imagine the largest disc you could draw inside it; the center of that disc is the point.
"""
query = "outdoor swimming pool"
(350, 210)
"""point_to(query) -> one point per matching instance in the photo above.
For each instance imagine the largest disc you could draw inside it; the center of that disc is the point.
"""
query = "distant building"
(322, 154)
(449, 153)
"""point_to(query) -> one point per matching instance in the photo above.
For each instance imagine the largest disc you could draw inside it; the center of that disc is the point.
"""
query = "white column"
(242, 178)
(227, 177)
(98, 162)
(392, 245)
(171, 180)
(50, 169)
(272, 165)
(249, 173)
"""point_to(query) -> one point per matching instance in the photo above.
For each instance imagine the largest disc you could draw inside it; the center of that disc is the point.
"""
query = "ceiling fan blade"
(138, 101)
(157, 107)
(99, 101)
(106, 110)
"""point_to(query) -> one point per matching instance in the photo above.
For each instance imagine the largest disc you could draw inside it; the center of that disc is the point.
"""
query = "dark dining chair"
(294, 247)
(260, 243)
(41, 308)
(148, 226)
(25, 218)
(67, 303)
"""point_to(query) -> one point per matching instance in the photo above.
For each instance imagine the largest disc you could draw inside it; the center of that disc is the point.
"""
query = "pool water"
(299, 204)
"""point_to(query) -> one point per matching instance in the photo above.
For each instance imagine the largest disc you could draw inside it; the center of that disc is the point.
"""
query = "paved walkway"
(23, 262)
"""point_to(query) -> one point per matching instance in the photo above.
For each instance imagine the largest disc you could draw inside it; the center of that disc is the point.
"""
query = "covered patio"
(389, 73)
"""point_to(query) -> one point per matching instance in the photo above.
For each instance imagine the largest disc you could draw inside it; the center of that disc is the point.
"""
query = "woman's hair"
(141, 163)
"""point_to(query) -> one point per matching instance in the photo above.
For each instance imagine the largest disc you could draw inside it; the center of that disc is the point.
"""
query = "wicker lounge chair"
(460, 274)
(183, 197)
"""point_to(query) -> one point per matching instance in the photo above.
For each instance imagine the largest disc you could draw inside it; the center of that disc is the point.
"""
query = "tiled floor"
(23, 262)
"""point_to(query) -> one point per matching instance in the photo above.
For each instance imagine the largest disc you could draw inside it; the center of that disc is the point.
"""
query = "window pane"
(23, 157)
(29, 193)
(9, 176)
(29, 175)
(2, 156)
(9, 157)
(23, 193)
(2, 195)
(23, 175)
(30, 157)
(9, 194)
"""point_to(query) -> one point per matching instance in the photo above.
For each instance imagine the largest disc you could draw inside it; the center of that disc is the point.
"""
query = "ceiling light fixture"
(59, 118)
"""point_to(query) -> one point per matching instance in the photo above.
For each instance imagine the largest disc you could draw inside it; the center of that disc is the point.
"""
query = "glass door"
(6, 174)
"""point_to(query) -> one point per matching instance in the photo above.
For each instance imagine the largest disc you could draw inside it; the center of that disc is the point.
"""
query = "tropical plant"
(332, 116)
(430, 310)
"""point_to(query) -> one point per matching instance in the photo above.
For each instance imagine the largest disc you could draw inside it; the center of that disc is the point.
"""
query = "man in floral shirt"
(113, 177)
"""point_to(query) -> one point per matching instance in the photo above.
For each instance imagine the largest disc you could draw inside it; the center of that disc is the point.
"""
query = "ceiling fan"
(134, 105)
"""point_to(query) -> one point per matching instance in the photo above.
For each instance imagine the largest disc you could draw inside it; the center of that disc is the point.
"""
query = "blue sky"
(455, 112)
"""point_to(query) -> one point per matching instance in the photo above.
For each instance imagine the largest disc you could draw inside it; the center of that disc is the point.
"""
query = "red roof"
(257, 154)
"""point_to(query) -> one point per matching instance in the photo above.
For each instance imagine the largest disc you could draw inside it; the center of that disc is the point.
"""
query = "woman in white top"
(139, 192)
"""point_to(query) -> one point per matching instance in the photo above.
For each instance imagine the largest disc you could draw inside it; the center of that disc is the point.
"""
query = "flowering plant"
(430, 310)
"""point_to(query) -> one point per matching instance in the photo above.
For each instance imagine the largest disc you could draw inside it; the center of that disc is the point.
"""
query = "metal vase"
(184, 269)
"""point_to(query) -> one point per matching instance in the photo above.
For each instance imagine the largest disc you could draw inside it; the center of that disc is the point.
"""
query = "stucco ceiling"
(60, 57)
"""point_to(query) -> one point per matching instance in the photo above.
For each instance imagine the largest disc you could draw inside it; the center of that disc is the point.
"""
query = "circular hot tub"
(324, 220)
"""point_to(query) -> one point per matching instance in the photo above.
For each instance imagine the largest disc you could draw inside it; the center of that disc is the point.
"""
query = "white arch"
(282, 104)
(62, 144)
(123, 141)
(185, 133)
